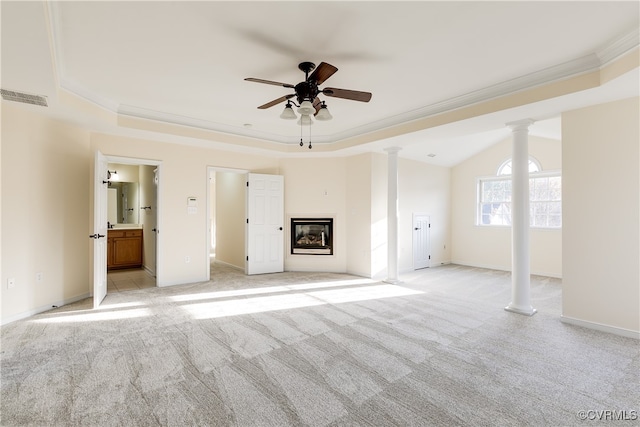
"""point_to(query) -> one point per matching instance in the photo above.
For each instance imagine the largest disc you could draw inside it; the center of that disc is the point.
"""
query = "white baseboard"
(600, 327)
(433, 264)
(503, 268)
(228, 265)
(149, 271)
(43, 308)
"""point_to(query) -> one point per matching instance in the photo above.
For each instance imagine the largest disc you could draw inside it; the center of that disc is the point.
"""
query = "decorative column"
(520, 274)
(392, 215)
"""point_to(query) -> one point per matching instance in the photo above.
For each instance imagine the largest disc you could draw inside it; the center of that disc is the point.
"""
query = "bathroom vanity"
(124, 248)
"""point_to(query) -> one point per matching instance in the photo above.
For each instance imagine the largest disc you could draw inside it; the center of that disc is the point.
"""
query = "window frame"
(532, 175)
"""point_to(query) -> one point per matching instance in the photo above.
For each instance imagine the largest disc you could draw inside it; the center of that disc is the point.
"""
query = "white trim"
(43, 308)
(236, 267)
(600, 327)
(148, 270)
(618, 47)
(502, 268)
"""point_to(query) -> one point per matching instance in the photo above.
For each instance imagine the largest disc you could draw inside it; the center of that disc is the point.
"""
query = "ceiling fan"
(308, 89)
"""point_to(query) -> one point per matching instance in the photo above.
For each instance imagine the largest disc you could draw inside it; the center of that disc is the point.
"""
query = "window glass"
(545, 197)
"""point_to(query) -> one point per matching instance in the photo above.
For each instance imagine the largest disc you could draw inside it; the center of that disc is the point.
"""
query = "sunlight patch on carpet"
(216, 309)
(270, 290)
(96, 317)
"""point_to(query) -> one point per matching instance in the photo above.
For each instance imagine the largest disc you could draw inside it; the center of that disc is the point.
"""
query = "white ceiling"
(185, 63)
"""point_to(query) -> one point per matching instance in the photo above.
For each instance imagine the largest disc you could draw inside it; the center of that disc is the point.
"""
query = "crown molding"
(589, 63)
(619, 47)
(82, 92)
(158, 116)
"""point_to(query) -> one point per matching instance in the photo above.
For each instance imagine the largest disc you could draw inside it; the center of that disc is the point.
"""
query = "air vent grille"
(26, 98)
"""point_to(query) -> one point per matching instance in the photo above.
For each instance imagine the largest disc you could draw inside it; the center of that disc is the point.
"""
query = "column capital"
(520, 124)
(392, 150)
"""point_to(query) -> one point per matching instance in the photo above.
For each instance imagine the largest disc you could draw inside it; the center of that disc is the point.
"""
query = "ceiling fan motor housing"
(307, 90)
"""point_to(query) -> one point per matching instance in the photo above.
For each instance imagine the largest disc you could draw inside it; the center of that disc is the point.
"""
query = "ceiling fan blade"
(322, 72)
(354, 95)
(317, 104)
(269, 82)
(275, 102)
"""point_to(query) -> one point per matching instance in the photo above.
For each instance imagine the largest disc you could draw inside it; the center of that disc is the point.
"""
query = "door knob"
(280, 228)
(96, 236)
(416, 228)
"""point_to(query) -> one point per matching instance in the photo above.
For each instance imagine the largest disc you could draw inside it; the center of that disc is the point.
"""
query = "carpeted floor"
(318, 349)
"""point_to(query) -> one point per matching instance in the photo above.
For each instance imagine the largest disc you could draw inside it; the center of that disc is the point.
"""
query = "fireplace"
(312, 236)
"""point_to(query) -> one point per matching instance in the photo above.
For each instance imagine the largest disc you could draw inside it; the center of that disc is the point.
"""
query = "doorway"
(421, 250)
(233, 237)
(133, 234)
(226, 217)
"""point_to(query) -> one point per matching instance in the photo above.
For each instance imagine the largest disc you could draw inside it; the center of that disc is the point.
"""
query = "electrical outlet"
(39, 276)
(11, 283)
(187, 259)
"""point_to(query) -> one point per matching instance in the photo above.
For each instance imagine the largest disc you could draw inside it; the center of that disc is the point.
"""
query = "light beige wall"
(230, 218)
(601, 198)
(358, 207)
(315, 187)
(183, 174)
(490, 247)
(45, 225)
(126, 173)
(36, 221)
(423, 188)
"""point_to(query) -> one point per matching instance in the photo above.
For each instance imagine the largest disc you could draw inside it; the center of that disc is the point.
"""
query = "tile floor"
(128, 280)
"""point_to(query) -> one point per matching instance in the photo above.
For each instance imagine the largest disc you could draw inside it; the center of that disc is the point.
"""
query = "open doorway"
(133, 218)
(226, 217)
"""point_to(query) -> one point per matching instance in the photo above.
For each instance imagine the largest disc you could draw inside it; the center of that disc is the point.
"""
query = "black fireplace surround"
(312, 236)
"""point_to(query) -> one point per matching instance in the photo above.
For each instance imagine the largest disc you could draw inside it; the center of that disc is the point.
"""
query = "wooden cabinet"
(124, 249)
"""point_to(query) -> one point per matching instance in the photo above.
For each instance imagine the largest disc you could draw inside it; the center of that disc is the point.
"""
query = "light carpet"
(317, 349)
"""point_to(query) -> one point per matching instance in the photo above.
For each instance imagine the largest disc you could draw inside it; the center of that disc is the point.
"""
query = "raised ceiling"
(175, 70)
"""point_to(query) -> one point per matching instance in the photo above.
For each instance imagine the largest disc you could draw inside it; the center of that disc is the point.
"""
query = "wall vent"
(25, 98)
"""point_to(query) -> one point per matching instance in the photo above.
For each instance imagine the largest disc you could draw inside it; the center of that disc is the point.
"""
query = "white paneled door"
(421, 255)
(265, 224)
(100, 230)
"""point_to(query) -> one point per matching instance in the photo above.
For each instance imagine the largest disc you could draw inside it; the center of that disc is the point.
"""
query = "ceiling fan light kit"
(323, 114)
(305, 120)
(306, 93)
(306, 108)
(288, 113)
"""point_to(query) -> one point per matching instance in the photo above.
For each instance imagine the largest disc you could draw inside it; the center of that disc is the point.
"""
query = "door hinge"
(429, 256)
(429, 225)
(247, 257)
(247, 220)
(247, 183)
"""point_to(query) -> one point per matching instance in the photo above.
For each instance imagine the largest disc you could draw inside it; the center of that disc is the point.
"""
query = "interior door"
(421, 252)
(100, 230)
(265, 224)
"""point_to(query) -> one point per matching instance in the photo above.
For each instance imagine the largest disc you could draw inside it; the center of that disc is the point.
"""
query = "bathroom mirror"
(123, 203)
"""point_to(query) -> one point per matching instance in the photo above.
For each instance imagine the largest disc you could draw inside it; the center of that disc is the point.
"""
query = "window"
(505, 168)
(545, 197)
